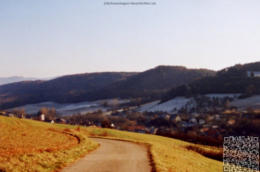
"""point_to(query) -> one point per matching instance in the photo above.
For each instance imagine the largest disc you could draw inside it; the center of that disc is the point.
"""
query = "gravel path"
(113, 156)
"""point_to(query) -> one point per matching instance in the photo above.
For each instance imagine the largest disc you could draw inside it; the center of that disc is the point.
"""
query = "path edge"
(147, 145)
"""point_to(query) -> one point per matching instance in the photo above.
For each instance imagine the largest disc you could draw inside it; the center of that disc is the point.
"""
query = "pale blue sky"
(43, 38)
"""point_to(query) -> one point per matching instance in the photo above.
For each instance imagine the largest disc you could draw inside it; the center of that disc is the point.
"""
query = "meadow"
(27, 145)
(168, 155)
(37, 146)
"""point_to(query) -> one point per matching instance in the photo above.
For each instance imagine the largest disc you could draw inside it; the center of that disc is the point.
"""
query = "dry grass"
(169, 155)
(207, 151)
(27, 145)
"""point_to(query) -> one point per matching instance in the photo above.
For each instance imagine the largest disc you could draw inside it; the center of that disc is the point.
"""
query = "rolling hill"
(27, 145)
(233, 79)
(71, 88)
(152, 83)
(94, 86)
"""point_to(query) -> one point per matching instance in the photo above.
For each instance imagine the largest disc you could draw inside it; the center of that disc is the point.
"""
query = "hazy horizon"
(43, 39)
(52, 77)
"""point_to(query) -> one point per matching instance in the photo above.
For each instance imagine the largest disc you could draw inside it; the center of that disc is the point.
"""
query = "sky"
(47, 38)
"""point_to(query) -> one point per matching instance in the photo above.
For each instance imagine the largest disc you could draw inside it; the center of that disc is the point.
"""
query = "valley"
(171, 125)
(144, 86)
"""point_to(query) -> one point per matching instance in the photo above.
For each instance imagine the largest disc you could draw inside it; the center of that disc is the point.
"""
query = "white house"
(177, 119)
(202, 121)
(42, 117)
(193, 120)
(112, 125)
(253, 73)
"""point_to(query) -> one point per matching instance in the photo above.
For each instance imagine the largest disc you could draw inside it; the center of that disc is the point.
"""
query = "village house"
(112, 125)
(195, 115)
(42, 117)
(153, 130)
(2, 113)
(217, 117)
(193, 120)
(202, 121)
(167, 117)
(10, 115)
(210, 118)
(231, 122)
(178, 119)
(138, 128)
(253, 74)
(61, 121)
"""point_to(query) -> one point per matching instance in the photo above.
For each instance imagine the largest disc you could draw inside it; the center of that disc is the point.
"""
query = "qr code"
(241, 154)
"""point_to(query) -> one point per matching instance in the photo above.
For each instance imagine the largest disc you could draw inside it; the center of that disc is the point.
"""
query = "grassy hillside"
(169, 155)
(35, 146)
(27, 145)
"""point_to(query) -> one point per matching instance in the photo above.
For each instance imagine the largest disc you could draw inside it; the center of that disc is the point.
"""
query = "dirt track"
(113, 156)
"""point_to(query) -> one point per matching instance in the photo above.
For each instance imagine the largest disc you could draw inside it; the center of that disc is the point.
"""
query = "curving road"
(113, 156)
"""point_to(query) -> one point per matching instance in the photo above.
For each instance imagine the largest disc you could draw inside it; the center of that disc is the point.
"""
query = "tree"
(19, 112)
(43, 110)
(50, 114)
(250, 90)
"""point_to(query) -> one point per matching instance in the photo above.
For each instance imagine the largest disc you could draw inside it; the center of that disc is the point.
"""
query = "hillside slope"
(152, 83)
(168, 154)
(94, 86)
(27, 145)
(71, 88)
(234, 79)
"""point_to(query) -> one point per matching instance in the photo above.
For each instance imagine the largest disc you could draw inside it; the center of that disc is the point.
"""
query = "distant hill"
(233, 79)
(71, 88)
(152, 82)
(8, 80)
(94, 86)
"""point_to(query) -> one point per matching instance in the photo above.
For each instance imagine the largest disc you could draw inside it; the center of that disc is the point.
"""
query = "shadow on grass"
(217, 155)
